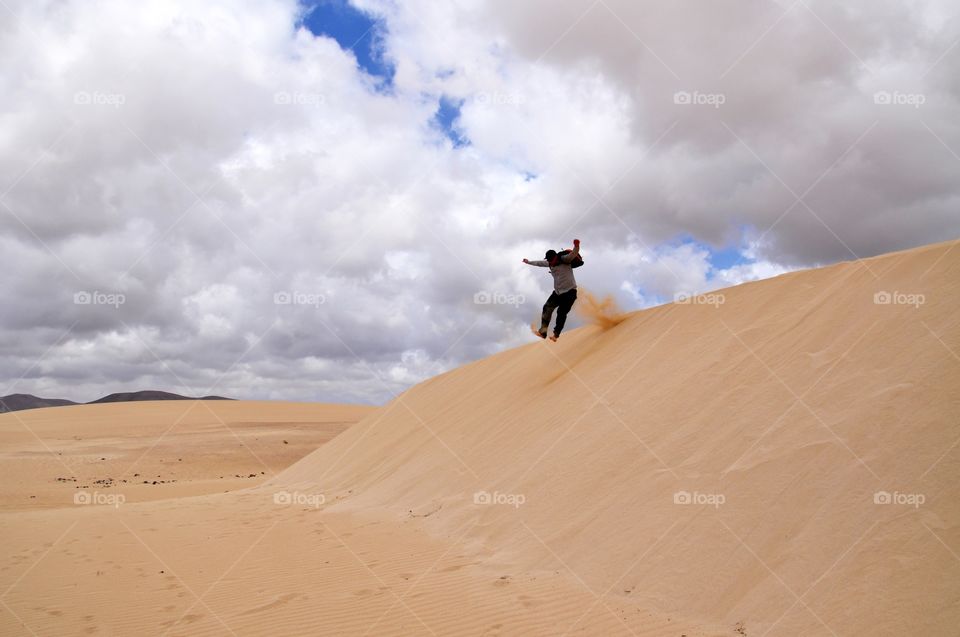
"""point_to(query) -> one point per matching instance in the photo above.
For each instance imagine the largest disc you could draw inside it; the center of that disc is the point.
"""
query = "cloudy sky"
(282, 200)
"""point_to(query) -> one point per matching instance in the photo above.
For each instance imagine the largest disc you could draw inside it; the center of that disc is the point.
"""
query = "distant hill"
(19, 402)
(124, 397)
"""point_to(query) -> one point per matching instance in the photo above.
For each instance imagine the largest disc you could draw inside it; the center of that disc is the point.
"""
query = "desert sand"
(157, 449)
(777, 458)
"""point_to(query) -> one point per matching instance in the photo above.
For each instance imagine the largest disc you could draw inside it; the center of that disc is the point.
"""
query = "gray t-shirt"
(563, 280)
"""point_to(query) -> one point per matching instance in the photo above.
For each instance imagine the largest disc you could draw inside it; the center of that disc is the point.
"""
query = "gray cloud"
(200, 166)
(796, 83)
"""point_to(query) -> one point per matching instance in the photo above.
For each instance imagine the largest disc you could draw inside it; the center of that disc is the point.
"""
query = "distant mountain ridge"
(19, 402)
(123, 397)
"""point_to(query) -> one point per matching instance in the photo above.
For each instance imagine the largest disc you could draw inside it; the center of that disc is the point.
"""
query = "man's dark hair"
(550, 255)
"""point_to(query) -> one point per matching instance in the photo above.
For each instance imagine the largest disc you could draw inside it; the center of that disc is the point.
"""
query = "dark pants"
(562, 304)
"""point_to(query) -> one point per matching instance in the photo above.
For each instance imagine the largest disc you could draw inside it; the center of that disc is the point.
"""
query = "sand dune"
(795, 400)
(779, 458)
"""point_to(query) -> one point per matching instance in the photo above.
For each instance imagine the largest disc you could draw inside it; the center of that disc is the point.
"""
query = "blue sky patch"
(726, 258)
(448, 111)
(719, 259)
(355, 31)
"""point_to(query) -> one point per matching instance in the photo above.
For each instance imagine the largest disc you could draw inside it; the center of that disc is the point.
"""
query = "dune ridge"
(797, 401)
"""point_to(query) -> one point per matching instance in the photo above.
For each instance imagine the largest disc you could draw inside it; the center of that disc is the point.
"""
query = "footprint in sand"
(186, 619)
(280, 601)
(527, 601)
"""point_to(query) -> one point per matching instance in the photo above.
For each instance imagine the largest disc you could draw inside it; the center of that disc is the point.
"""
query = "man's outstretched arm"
(540, 262)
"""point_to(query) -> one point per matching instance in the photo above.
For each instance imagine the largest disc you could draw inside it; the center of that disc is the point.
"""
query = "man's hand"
(526, 261)
(576, 243)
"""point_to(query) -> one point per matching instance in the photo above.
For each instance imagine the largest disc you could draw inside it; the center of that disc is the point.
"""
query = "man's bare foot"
(554, 338)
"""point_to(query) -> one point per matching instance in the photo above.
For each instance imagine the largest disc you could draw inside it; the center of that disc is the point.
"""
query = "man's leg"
(547, 314)
(566, 301)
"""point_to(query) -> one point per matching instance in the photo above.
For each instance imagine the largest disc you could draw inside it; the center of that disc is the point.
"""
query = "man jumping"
(564, 288)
